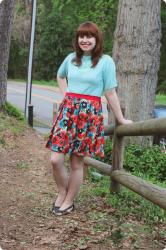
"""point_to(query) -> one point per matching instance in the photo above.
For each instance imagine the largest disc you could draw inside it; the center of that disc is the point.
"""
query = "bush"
(161, 89)
(149, 162)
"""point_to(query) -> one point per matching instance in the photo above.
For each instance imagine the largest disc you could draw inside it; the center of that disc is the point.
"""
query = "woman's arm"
(113, 101)
(62, 83)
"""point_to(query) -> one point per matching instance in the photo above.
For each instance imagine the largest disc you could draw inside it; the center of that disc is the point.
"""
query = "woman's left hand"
(125, 122)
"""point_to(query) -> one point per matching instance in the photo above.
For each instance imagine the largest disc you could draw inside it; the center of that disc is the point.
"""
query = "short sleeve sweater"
(88, 80)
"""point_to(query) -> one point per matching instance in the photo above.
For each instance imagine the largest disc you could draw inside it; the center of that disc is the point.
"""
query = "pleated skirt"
(78, 127)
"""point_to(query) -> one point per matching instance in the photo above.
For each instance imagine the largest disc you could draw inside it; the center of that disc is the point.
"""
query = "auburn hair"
(89, 29)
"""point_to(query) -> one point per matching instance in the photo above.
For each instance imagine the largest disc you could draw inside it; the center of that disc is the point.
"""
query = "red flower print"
(80, 124)
(74, 118)
(97, 105)
(101, 118)
(88, 140)
(93, 129)
(76, 105)
(62, 133)
(81, 135)
(68, 102)
(82, 146)
(83, 116)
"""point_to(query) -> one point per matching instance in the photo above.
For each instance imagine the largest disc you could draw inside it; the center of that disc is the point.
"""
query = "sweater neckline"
(86, 57)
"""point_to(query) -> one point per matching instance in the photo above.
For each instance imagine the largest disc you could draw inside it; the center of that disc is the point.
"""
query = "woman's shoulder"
(107, 58)
(70, 56)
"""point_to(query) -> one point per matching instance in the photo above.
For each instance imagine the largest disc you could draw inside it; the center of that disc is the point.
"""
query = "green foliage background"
(56, 23)
(147, 162)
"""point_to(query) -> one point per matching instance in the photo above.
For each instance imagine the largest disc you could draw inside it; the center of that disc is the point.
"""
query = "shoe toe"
(54, 208)
(65, 211)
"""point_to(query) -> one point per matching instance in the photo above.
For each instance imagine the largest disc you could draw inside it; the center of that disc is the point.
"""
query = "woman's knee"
(77, 162)
(57, 159)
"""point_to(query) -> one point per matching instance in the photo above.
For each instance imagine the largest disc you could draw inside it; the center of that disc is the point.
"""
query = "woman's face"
(87, 43)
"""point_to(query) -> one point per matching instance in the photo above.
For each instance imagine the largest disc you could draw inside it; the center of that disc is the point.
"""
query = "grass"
(160, 100)
(122, 216)
(11, 110)
(46, 83)
(125, 203)
(2, 140)
(10, 124)
(23, 165)
(37, 82)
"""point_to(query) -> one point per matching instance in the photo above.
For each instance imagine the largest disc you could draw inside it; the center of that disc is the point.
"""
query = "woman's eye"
(88, 36)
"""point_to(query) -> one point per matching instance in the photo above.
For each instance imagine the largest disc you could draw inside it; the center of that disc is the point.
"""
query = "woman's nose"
(85, 38)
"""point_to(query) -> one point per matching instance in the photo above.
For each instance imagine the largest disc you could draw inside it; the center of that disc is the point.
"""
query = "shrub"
(141, 161)
(147, 161)
(161, 89)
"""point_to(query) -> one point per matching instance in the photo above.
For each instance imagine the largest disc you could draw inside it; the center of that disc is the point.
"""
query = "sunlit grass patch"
(160, 100)
(23, 165)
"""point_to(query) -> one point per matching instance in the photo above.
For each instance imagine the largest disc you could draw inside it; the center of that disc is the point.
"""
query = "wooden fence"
(118, 176)
(152, 192)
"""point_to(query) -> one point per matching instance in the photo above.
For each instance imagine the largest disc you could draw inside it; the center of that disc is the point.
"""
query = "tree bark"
(136, 53)
(6, 17)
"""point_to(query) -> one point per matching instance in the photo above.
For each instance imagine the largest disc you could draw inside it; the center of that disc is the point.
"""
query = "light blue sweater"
(86, 80)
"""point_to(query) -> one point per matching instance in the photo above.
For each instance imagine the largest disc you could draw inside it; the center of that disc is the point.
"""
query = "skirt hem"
(84, 154)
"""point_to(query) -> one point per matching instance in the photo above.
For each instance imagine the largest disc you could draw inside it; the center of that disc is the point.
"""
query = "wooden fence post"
(85, 171)
(117, 158)
(55, 110)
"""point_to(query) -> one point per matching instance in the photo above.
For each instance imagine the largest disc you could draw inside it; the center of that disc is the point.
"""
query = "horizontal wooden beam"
(149, 127)
(151, 192)
(109, 130)
(101, 166)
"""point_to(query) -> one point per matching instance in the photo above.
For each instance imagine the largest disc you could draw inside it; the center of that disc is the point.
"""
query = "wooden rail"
(106, 169)
(149, 127)
(151, 192)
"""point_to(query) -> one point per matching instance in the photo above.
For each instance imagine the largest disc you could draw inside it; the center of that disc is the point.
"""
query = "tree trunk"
(6, 17)
(136, 52)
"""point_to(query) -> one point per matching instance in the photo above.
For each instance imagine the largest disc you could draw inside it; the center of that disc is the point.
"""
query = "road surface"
(43, 98)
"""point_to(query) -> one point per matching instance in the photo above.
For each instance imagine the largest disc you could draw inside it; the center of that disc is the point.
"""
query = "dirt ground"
(27, 191)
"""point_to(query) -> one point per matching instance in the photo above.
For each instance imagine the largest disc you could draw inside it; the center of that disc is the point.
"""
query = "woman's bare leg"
(75, 180)
(60, 176)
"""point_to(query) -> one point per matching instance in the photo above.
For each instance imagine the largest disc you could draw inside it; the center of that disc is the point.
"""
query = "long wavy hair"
(89, 29)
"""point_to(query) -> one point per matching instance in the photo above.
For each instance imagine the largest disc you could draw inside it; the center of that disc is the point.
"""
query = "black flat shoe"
(67, 210)
(54, 208)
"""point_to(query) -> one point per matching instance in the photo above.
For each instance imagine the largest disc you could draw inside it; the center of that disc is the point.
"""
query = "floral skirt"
(78, 127)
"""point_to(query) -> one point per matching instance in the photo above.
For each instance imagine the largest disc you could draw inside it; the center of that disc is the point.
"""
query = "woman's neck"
(86, 54)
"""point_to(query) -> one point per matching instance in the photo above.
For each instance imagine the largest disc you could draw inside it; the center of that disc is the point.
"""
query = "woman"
(78, 130)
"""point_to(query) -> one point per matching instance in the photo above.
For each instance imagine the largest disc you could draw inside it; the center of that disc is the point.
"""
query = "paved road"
(43, 98)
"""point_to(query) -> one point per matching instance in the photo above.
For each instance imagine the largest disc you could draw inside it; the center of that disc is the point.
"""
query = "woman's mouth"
(85, 44)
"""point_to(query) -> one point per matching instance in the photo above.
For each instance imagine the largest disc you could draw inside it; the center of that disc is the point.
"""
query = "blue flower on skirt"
(63, 123)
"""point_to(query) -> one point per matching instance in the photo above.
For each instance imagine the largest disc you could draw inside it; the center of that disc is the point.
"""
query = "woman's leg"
(75, 180)
(60, 176)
